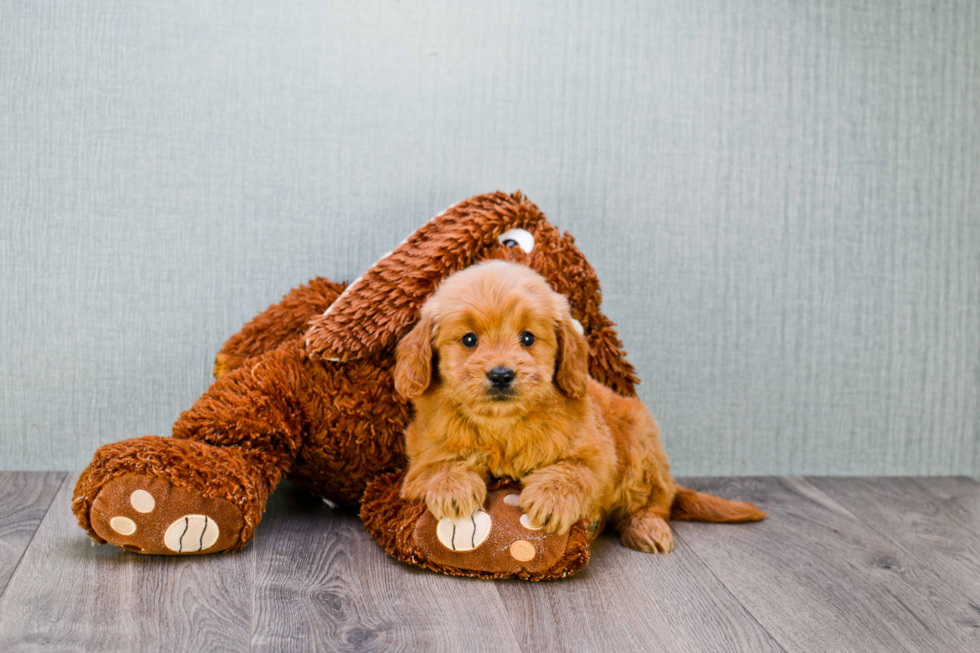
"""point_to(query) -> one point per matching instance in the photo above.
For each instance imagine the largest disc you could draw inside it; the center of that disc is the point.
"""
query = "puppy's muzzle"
(501, 378)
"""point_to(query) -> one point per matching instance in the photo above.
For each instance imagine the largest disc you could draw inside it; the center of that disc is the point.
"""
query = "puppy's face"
(503, 343)
(497, 358)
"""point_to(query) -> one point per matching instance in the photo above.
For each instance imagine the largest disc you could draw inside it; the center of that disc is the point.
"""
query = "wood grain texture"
(322, 584)
(855, 564)
(69, 595)
(780, 199)
(818, 577)
(630, 601)
(937, 527)
(959, 499)
(24, 499)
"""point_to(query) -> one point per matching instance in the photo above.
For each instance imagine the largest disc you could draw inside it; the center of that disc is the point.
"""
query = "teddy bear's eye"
(518, 238)
(470, 340)
(527, 338)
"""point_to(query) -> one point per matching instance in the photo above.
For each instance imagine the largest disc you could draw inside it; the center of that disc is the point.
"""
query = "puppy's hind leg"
(647, 530)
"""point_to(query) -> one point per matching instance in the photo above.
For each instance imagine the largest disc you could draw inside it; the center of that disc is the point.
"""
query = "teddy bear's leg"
(277, 324)
(203, 490)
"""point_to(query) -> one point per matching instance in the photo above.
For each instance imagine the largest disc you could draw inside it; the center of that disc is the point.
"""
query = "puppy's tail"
(696, 506)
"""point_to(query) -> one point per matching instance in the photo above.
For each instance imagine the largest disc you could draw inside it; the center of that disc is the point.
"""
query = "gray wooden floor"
(842, 564)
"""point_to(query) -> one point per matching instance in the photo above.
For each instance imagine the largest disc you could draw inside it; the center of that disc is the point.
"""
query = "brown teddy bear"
(305, 391)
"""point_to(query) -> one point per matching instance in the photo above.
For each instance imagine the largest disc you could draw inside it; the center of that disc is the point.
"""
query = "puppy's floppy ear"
(413, 359)
(572, 365)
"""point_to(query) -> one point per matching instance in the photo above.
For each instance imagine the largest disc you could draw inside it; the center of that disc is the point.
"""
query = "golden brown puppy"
(497, 369)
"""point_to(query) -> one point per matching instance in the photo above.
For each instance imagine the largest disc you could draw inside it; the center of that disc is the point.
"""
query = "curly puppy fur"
(498, 371)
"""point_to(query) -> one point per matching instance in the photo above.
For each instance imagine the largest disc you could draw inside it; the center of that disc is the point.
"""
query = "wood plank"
(323, 584)
(817, 577)
(24, 498)
(931, 516)
(625, 600)
(69, 595)
(936, 521)
(960, 498)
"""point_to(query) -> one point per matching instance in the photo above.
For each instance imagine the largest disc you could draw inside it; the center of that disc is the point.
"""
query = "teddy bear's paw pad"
(146, 514)
(464, 533)
(522, 551)
(191, 534)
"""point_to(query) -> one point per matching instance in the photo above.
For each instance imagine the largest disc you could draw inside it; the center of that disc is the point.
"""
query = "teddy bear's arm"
(280, 322)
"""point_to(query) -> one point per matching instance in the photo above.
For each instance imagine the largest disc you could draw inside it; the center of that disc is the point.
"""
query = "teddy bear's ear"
(379, 307)
(607, 360)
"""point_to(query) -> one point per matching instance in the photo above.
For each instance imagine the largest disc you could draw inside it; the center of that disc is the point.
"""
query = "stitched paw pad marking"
(191, 533)
(526, 523)
(465, 533)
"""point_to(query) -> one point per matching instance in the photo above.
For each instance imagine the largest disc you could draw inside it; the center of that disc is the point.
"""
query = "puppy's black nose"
(501, 377)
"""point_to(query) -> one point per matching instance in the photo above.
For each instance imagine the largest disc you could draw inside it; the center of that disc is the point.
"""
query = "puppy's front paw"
(552, 505)
(455, 494)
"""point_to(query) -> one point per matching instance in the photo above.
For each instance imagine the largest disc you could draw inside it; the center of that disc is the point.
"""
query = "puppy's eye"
(470, 340)
(527, 338)
(518, 238)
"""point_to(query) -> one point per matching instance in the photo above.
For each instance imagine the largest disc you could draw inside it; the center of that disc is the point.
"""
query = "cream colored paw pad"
(522, 551)
(191, 533)
(123, 525)
(526, 523)
(465, 533)
(512, 499)
(142, 501)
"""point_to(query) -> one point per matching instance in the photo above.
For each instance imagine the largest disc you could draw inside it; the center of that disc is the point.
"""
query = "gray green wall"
(782, 200)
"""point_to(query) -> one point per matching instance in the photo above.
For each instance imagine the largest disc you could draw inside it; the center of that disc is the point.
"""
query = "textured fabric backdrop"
(782, 200)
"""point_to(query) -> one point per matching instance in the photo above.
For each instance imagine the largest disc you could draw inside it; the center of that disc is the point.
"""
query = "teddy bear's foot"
(150, 515)
(498, 541)
(513, 544)
(171, 496)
